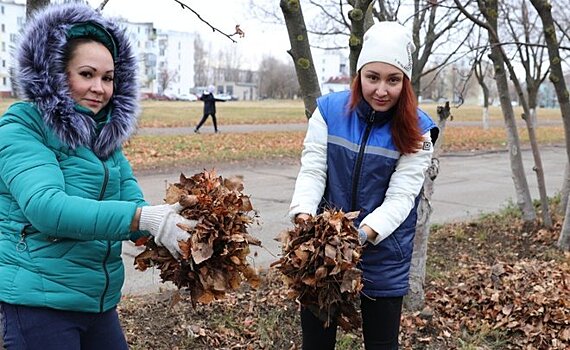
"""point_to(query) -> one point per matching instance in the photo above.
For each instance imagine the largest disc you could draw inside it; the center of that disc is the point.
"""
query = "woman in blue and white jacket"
(367, 150)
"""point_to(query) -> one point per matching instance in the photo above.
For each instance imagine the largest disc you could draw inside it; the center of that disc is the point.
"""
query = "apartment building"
(12, 19)
(175, 63)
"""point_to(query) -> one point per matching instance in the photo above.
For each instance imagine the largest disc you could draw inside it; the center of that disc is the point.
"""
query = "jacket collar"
(365, 111)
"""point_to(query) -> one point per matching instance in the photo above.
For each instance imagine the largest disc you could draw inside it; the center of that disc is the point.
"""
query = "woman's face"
(90, 73)
(381, 85)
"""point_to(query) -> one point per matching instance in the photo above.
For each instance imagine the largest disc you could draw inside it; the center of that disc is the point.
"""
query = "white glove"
(161, 222)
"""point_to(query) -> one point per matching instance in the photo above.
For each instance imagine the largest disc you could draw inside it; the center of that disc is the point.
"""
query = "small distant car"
(187, 97)
(223, 97)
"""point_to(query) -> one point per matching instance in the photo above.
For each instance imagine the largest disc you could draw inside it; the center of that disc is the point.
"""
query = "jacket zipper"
(358, 165)
(101, 195)
(22, 246)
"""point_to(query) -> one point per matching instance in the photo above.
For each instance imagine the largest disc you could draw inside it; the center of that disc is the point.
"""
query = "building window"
(3, 28)
(2, 9)
(4, 81)
(13, 38)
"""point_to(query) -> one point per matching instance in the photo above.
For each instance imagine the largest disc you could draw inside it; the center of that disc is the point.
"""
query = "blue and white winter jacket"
(350, 162)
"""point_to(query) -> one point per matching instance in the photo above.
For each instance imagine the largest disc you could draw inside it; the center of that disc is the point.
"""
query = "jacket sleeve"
(131, 190)
(405, 185)
(311, 180)
(32, 174)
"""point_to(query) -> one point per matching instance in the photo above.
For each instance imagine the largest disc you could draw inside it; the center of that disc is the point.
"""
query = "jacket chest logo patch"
(426, 146)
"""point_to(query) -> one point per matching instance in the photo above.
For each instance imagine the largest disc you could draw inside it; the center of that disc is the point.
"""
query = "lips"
(93, 102)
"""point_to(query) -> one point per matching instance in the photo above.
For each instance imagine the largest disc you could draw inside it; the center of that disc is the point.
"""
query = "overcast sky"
(260, 39)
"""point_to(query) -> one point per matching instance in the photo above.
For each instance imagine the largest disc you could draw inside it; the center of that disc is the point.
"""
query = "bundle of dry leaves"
(319, 262)
(213, 260)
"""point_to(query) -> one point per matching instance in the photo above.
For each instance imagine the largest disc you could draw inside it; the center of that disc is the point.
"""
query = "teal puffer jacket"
(63, 215)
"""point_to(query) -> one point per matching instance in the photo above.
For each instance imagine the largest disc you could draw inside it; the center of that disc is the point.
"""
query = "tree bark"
(565, 191)
(360, 12)
(301, 53)
(544, 9)
(415, 299)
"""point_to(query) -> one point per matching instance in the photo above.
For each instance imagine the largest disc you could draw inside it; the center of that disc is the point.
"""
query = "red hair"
(406, 132)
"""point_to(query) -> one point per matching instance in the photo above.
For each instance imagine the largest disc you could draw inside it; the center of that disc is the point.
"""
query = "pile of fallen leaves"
(528, 300)
(491, 284)
(213, 260)
(319, 262)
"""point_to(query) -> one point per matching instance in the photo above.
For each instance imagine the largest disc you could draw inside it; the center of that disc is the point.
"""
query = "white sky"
(260, 39)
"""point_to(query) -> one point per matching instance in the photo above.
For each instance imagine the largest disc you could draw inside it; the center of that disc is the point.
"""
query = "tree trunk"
(360, 12)
(564, 239)
(528, 117)
(544, 9)
(33, 5)
(485, 118)
(489, 9)
(565, 191)
(301, 53)
(415, 299)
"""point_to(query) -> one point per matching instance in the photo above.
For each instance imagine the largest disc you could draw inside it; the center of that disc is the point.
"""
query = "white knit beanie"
(388, 42)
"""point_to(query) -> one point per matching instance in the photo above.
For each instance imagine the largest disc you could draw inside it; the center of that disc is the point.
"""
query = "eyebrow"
(390, 75)
(95, 69)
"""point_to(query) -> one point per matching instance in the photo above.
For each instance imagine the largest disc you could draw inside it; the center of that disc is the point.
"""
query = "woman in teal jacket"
(68, 197)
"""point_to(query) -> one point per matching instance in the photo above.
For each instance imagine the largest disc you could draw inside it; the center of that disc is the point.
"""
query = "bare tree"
(435, 29)
(277, 79)
(165, 77)
(531, 58)
(200, 67)
(481, 70)
(544, 9)
(489, 10)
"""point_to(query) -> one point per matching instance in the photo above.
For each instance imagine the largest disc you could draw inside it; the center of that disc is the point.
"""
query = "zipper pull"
(371, 117)
(22, 246)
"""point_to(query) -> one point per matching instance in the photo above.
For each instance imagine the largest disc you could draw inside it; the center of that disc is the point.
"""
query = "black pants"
(204, 120)
(380, 326)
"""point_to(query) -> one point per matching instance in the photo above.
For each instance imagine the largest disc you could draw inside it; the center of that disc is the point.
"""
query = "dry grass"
(148, 152)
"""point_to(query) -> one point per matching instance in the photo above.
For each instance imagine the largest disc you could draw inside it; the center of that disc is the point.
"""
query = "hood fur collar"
(41, 79)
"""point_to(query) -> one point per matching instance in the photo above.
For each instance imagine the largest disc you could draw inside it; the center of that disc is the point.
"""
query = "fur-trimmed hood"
(41, 78)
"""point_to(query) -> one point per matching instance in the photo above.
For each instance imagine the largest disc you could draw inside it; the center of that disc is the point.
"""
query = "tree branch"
(214, 29)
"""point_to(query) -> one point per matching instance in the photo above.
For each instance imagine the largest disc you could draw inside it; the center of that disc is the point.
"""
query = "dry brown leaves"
(214, 258)
(529, 300)
(319, 262)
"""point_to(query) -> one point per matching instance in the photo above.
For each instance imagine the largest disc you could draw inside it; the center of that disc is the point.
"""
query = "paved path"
(468, 185)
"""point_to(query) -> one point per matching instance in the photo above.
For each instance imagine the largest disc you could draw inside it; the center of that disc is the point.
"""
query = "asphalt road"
(467, 186)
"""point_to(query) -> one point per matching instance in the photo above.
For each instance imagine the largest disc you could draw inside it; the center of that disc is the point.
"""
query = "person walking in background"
(68, 196)
(209, 108)
(367, 150)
